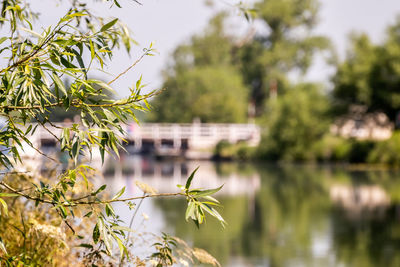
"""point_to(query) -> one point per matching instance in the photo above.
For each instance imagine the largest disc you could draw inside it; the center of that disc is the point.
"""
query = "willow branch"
(29, 143)
(79, 104)
(34, 52)
(74, 202)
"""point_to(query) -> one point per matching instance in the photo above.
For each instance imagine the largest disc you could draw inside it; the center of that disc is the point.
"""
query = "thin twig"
(30, 144)
(65, 221)
(130, 67)
(134, 215)
(47, 129)
(130, 226)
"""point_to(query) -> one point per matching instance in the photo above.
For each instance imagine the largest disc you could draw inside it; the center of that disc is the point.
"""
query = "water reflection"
(165, 175)
(281, 215)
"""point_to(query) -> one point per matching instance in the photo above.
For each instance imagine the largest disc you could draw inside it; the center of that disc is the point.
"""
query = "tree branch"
(78, 104)
(74, 202)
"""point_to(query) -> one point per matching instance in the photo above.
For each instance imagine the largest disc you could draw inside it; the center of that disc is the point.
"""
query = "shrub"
(360, 150)
(332, 148)
(239, 151)
(294, 123)
(387, 152)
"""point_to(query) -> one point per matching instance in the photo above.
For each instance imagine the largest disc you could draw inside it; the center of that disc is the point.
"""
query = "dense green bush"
(360, 150)
(240, 151)
(387, 152)
(293, 124)
(338, 149)
(332, 148)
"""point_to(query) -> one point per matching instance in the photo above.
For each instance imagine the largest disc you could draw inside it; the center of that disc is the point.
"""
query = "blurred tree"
(213, 94)
(201, 81)
(370, 75)
(261, 61)
(295, 121)
(352, 79)
(288, 45)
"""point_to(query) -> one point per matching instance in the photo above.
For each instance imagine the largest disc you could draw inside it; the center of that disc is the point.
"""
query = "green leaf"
(122, 228)
(189, 180)
(3, 39)
(85, 246)
(96, 233)
(109, 115)
(59, 83)
(208, 192)
(92, 52)
(105, 236)
(63, 212)
(8, 195)
(88, 214)
(211, 199)
(109, 210)
(122, 248)
(119, 193)
(31, 32)
(71, 16)
(108, 25)
(103, 85)
(80, 62)
(213, 213)
(75, 150)
(100, 189)
(5, 207)
(190, 210)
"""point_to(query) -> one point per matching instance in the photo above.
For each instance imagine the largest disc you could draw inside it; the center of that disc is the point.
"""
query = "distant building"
(362, 125)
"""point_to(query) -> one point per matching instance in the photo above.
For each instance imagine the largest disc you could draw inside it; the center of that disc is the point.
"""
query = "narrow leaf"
(108, 25)
(189, 180)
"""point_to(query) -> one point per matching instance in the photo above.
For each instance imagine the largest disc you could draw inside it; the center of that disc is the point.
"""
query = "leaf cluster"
(200, 202)
(32, 86)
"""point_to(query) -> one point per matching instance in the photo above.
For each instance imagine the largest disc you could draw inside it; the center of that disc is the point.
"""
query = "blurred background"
(293, 105)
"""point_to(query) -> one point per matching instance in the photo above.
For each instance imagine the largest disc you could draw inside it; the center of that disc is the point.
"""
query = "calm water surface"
(277, 215)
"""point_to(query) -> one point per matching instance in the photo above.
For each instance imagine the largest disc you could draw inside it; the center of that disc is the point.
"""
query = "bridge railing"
(195, 136)
(198, 134)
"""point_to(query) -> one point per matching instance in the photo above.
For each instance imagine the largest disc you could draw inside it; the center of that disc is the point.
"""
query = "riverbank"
(327, 150)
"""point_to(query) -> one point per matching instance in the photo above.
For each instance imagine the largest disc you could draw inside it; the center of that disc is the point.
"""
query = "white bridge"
(172, 139)
(194, 140)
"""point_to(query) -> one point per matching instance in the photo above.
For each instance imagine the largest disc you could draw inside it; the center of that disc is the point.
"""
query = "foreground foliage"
(44, 217)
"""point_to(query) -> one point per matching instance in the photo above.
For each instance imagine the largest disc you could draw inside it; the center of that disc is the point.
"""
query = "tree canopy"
(286, 45)
(212, 94)
(370, 74)
(257, 63)
(202, 82)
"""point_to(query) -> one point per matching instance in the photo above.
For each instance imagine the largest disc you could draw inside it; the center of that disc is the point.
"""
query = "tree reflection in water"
(282, 215)
(293, 220)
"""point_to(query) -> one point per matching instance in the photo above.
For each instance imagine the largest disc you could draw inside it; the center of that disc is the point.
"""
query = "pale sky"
(170, 22)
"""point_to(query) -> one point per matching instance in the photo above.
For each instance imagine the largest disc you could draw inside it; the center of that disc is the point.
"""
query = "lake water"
(278, 215)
